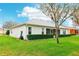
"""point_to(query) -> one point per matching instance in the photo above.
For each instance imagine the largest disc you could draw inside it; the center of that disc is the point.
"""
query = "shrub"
(8, 32)
(66, 35)
(32, 37)
(21, 37)
(37, 36)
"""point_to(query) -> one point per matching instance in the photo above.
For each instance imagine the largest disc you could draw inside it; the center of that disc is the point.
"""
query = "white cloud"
(30, 9)
(32, 13)
(22, 15)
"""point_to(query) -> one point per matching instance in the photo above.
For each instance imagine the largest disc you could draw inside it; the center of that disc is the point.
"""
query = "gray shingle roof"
(41, 22)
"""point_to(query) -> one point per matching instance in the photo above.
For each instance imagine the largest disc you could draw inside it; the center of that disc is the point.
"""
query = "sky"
(20, 12)
(10, 12)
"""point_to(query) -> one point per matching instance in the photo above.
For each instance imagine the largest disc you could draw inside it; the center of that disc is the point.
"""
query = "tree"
(59, 13)
(8, 25)
(76, 15)
(76, 19)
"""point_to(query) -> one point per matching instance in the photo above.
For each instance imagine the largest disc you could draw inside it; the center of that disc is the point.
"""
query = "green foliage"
(32, 37)
(7, 32)
(37, 36)
(66, 35)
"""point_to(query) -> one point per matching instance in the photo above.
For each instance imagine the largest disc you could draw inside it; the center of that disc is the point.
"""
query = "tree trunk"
(57, 33)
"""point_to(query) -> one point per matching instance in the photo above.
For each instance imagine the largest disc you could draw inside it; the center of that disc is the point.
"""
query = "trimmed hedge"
(37, 36)
(66, 35)
(32, 37)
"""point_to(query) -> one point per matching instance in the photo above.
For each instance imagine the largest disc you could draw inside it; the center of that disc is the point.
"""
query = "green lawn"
(44, 47)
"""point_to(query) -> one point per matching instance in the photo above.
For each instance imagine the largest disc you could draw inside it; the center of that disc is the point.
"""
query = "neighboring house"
(69, 30)
(1, 31)
(35, 26)
(76, 26)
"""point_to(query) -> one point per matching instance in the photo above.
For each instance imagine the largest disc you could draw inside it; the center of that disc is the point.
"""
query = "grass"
(10, 46)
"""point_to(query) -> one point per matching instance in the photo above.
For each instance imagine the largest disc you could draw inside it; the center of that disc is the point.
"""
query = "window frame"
(29, 30)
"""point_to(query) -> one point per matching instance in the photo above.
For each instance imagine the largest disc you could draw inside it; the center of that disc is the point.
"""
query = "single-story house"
(35, 26)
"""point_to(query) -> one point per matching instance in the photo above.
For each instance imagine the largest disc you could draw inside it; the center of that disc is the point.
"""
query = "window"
(54, 31)
(48, 31)
(64, 32)
(42, 31)
(29, 30)
(51, 31)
